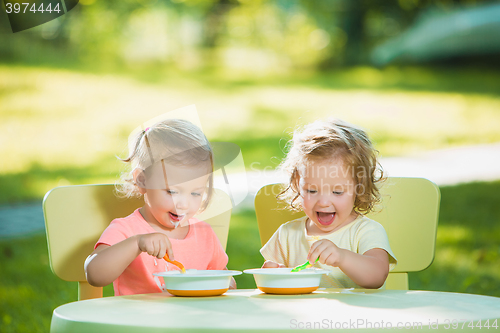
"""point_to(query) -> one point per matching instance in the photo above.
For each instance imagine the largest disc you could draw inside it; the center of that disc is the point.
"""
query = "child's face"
(327, 191)
(175, 198)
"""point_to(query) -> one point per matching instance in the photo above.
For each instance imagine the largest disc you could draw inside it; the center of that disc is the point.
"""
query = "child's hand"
(155, 244)
(272, 264)
(328, 253)
(232, 283)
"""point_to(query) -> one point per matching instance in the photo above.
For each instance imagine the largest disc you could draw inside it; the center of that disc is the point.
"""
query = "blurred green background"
(72, 89)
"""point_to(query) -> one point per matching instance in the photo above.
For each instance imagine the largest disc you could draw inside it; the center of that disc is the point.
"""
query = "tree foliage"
(265, 34)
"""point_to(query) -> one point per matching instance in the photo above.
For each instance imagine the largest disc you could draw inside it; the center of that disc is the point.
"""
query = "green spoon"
(305, 265)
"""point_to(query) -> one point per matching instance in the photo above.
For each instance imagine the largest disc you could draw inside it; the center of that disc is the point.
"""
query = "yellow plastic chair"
(75, 217)
(408, 211)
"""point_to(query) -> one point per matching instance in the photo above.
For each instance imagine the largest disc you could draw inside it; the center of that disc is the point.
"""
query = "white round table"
(248, 310)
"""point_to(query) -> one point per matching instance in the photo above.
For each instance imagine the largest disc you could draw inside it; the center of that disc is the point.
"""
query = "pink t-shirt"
(200, 249)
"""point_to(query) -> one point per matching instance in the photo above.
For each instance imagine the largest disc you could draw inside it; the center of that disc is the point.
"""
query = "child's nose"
(324, 201)
(181, 202)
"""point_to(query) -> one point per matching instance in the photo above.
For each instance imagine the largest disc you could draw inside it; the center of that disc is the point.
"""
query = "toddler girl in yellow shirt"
(333, 177)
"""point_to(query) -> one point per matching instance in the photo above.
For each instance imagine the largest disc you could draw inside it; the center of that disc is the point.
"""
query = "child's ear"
(140, 180)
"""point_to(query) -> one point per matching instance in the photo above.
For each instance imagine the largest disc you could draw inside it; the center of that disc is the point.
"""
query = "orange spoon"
(175, 262)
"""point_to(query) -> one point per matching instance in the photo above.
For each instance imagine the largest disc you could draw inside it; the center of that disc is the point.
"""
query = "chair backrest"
(408, 211)
(75, 217)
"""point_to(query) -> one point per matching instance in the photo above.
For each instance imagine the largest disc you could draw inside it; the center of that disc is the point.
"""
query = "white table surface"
(249, 310)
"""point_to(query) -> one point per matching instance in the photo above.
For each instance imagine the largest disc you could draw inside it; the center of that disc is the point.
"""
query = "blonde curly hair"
(331, 139)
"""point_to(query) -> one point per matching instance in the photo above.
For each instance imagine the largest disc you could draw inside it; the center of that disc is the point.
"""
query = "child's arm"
(109, 262)
(368, 270)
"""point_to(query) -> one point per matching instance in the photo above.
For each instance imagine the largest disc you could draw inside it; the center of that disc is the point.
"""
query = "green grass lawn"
(467, 259)
(65, 127)
(60, 127)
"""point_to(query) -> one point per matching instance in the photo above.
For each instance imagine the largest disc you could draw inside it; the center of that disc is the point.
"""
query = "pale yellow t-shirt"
(290, 245)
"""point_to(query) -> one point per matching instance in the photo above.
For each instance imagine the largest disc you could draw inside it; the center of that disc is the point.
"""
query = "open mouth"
(175, 217)
(326, 218)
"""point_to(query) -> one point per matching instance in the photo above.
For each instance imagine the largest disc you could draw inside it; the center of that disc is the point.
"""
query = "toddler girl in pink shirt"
(172, 164)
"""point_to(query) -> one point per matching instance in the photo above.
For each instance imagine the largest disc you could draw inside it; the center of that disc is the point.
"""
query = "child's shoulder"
(133, 220)
(293, 225)
(197, 223)
(200, 227)
(364, 223)
(135, 215)
(126, 226)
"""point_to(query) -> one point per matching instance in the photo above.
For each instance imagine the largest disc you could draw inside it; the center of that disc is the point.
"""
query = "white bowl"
(283, 281)
(197, 282)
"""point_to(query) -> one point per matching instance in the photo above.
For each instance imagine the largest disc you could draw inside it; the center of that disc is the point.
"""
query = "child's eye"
(311, 191)
(196, 194)
(171, 192)
(338, 192)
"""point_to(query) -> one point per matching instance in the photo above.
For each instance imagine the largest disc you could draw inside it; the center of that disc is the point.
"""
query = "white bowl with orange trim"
(285, 282)
(197, 282)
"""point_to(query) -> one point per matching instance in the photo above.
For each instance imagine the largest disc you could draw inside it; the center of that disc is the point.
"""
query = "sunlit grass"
(467, 252)
(62, 120)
